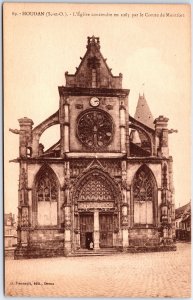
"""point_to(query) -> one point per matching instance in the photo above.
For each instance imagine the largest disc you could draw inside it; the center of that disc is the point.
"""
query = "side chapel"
(108, 180)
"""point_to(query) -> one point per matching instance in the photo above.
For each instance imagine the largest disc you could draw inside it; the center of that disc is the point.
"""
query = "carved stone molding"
(23, 179)
(24, 217)
(78, 166)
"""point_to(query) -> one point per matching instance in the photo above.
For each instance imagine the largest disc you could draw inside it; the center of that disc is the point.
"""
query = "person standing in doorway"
(91, 245)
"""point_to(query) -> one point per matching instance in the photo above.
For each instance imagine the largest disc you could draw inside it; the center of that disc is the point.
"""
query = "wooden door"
(106, 230)
(86, 226)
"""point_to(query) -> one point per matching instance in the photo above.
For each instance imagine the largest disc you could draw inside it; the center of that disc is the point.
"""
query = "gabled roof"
(180, 211)
(93, 70)
(93, 50)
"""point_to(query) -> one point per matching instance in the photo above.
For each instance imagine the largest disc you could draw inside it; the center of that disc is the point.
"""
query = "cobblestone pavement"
(162, 274)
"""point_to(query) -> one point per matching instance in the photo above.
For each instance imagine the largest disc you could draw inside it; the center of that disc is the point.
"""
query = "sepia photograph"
(97, 145)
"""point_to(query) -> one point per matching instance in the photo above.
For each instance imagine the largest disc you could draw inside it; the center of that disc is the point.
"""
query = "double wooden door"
(105, 230)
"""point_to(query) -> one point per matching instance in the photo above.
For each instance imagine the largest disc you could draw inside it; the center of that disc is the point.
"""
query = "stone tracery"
(95, 128)
(96, 190)
(46, 188)
(143, 186)
(100, 183)
(144, 197)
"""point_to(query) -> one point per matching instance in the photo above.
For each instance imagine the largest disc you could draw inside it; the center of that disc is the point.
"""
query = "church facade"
(107, 183)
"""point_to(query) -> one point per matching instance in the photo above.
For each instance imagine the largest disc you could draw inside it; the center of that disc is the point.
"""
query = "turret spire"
(143, 113)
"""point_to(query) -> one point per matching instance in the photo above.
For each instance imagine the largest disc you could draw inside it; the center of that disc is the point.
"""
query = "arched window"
(144, 196)
(46, 193)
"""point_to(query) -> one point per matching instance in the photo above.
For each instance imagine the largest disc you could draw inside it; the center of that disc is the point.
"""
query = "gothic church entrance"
(87, 230)
(95, 197)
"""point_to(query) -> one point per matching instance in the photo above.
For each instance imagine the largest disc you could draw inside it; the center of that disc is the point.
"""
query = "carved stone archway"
(96, 194)
(103, 183)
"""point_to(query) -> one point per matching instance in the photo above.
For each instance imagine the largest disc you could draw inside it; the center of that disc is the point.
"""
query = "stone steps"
(98, 252)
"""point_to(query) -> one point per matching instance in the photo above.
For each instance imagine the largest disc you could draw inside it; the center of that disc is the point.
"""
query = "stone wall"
(143, 237)
(42, 243)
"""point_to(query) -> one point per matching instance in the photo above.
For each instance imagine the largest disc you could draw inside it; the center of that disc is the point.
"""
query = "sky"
(151, 50)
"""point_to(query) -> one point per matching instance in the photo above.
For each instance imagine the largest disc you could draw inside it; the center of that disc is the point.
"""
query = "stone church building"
(107, 183)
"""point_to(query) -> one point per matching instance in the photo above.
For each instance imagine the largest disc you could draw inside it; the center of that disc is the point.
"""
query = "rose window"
(95, 129)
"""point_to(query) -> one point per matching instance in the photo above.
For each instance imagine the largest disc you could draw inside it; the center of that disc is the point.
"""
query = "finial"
(93, 41)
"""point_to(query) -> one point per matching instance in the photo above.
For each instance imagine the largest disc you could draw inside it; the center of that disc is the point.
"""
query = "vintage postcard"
(97, 150)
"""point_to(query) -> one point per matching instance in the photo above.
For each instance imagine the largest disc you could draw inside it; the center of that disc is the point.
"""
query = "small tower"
(25, 134)
(143, 113)
(161, 129)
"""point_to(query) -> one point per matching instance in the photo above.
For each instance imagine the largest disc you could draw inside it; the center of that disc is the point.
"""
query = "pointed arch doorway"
(96, 206)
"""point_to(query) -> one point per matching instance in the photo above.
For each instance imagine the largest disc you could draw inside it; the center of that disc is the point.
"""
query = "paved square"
(162, 274)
